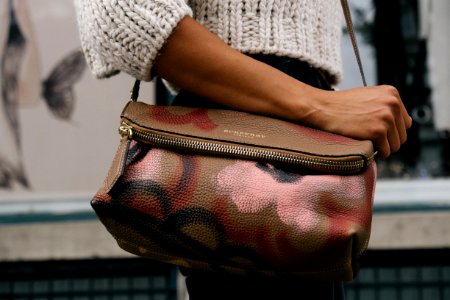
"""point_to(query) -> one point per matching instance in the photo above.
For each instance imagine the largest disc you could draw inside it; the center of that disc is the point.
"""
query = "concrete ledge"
(412, 195)
(64, 240)
(410, 231)
(89, 239)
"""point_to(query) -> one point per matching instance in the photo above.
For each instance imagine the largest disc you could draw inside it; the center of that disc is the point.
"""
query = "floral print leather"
(232, 214)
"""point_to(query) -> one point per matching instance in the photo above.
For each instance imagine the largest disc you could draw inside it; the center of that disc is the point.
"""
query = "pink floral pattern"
(198, 117)
(245, 216)
(252, 189)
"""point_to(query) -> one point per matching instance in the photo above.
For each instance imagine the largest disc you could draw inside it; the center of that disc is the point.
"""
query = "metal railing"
(403, 275)
(386, 275)
(124, 279)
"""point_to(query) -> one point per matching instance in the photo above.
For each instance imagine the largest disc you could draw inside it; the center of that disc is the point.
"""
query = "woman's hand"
(376, 113)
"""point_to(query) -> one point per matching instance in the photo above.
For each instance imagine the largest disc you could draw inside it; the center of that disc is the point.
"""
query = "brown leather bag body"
(222, 190)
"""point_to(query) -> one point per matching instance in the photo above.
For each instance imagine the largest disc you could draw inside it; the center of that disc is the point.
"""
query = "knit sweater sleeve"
(126, 35)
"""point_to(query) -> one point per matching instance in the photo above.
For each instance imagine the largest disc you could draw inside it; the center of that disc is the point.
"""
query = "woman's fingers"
(396, 121)
(407, 120)
(382, 146)
(404, 122)
(394, 140)
(385, 136)
(401, 128)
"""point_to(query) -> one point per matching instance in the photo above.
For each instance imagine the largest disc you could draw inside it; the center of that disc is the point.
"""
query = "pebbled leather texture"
(228, 214)
(243, 128)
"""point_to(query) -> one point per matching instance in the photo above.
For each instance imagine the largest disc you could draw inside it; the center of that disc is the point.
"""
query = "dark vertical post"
(400, 62)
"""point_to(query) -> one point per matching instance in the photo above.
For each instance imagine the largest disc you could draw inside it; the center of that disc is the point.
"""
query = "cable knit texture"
(126, 35)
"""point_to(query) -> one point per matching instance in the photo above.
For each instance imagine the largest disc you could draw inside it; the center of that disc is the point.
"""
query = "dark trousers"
(212, 286)
(208, 286)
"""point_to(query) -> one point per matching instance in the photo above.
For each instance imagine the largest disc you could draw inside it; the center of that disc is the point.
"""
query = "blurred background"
(58, 134)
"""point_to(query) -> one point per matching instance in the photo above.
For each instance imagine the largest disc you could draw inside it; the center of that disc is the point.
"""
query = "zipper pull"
(126, 130)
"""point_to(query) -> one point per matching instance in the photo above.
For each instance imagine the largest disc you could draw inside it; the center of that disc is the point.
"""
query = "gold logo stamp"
(243, 134)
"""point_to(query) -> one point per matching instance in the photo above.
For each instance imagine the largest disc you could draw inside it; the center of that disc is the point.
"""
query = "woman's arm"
(196, 60)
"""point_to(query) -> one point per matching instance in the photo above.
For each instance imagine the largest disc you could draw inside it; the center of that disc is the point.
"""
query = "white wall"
(60, 156)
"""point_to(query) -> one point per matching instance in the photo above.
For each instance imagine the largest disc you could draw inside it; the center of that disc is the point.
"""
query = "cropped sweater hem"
(127, 35)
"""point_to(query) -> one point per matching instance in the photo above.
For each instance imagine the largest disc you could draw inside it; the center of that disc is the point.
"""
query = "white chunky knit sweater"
(126, 35)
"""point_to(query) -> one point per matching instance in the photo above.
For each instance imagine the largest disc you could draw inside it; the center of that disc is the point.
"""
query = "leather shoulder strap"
(351, 33)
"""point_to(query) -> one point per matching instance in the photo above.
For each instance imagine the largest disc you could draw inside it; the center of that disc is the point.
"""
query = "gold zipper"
(316, 164)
